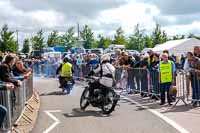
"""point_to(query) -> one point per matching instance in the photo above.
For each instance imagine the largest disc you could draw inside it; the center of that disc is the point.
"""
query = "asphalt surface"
(127, 117)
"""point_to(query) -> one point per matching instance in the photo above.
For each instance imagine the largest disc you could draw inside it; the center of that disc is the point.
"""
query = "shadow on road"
(181, 108)
(84, 113)
(55, 93)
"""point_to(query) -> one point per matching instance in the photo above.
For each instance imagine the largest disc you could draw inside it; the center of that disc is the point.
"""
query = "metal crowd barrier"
(15, 101)
(181, 87)
(49, 70)
(46, 70)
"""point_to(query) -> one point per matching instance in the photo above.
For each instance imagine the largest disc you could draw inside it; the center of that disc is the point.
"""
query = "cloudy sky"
(104, 16)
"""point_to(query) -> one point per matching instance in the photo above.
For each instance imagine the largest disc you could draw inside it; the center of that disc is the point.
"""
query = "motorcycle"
(67, 87)
(106, 102)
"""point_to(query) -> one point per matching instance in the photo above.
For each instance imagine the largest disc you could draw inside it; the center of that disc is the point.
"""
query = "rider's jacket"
(66, 70)
(107, 72)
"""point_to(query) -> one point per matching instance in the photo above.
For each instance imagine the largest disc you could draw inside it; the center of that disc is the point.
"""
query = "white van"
(52, 54)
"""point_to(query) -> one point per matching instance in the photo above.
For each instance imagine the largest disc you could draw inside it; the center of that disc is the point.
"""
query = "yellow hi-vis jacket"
(166, 72)
(66, 70)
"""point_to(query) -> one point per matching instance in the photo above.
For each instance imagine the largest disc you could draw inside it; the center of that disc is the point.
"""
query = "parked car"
(145, 50)
(132, 52)
(96, 51)
(108, 51)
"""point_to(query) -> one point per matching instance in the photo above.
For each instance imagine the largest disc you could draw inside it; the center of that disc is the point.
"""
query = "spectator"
(192, 64)
(197, 51)
(5, 70)
(126, 60)
(144, 61)
(20, 70)
(93, 62)
(150, 58)
(182, 61)
(3, 110)
(167, 70)
(1, 56)
(171, 58)
(118, 55)
(79, 63)
(154, 64)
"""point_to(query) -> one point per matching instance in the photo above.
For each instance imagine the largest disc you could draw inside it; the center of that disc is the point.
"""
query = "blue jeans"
(3, 111)
(195, 83)
(131, 82)
(163, 88)
(79, 70)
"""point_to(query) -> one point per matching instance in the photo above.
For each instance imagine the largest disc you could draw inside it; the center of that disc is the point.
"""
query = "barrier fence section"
(147, 83)
(49, 70)
(15, 101)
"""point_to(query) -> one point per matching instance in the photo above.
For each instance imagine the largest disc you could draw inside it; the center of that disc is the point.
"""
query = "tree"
(7, 41)
(177, 37)
(193, 36)
(159, 36)
(53, 39)
(26, 48)
(88, 36)
(38, 41)
(136, 41)
(103, 42)
(68, 38)
(148, 42)
(119, 37)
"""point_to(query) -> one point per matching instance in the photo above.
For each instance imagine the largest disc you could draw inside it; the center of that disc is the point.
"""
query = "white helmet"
(105, 57)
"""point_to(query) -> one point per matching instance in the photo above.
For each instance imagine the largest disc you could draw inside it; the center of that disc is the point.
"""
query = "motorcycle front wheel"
(84, 98)
(110, 102)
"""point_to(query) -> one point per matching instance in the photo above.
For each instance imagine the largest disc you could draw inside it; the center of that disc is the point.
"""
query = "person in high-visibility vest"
(66, 69)
(167, 69)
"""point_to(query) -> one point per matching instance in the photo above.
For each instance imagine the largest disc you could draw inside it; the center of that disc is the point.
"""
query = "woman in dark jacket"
(5, 70)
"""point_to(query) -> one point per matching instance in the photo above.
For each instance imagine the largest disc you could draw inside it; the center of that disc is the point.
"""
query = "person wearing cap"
(166, 69)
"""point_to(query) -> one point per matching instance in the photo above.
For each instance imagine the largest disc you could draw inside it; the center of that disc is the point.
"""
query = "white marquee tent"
(177, 47)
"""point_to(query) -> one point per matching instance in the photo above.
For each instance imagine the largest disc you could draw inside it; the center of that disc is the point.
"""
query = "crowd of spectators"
(12, 71)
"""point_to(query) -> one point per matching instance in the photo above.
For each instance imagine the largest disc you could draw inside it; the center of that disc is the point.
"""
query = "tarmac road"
(127, 117)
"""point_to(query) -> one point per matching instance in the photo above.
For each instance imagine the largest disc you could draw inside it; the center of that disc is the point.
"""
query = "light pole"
(17, 31)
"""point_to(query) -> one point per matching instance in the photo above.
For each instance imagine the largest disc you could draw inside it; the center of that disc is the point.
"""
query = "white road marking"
(166, 119)
(49, 113)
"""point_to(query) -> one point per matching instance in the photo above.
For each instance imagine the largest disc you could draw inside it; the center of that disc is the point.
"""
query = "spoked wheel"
(84, 98)
(110, 102)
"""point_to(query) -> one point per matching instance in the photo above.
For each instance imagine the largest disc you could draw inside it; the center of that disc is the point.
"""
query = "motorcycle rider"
(106, 71)
(66, 69)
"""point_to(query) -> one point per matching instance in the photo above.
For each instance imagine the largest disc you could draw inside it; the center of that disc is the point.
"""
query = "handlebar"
(89, 78)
